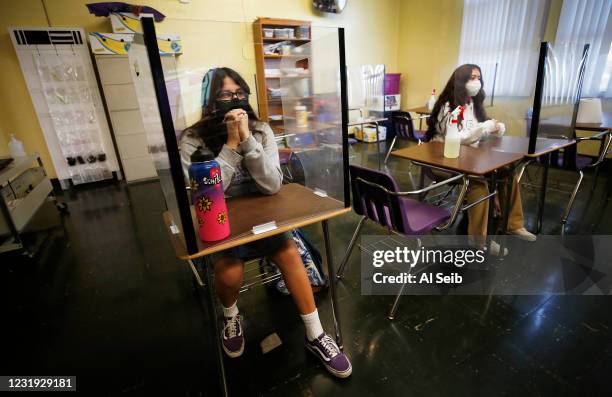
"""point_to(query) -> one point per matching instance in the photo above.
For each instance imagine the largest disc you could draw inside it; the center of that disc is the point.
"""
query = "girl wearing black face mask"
(244, 146)
(248, 156)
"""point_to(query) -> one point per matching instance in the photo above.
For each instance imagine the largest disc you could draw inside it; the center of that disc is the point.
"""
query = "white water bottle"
(16, 147)
(452, 142)
(432, 100)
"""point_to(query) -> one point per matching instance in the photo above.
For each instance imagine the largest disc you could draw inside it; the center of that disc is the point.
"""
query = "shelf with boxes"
(283, 67)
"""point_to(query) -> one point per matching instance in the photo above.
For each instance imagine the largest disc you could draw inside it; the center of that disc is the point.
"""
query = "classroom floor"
(105, 299)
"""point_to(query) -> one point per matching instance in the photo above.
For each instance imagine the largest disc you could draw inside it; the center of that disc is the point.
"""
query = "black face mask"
(225, 106)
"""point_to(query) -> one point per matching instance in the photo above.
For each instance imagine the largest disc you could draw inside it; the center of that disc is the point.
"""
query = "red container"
(392, 83)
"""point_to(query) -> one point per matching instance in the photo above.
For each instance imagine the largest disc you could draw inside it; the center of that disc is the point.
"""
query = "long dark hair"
(210, 128)
(456, 94)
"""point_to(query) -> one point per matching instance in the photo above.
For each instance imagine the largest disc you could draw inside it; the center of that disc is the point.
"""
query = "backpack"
(311, 257)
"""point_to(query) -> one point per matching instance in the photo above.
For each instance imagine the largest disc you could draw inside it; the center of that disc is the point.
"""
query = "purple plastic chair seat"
(404, 127)
(402, 214)
(583, 162)
(422, 217)
(418, 134)
(284, 156)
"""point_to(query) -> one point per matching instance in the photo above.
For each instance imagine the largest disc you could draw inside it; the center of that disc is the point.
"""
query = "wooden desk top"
(520, 145)
(419, 110)
(471, 160)
(292, 207)
(366, 121)
(606, 125)
(565, 120)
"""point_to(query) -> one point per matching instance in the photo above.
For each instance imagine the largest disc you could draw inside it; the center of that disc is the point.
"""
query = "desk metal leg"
(332, 284)
(602, 147)
(542, 197)
(377, 147)
(595, 176)
(507, 199)
(490, 221)
(214, 324)
(506, 212)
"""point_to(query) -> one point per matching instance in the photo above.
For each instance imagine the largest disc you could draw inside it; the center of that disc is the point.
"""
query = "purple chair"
(582, 165)
(404, 129)
(377, 197)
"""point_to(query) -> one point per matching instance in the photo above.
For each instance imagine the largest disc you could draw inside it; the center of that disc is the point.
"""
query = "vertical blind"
(562, 69)
(505, 33)
(589, 21)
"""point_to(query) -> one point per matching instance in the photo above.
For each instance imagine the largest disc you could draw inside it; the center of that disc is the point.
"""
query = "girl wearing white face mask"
(465, 88)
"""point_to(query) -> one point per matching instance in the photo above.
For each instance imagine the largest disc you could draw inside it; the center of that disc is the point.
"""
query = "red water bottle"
(207, 196)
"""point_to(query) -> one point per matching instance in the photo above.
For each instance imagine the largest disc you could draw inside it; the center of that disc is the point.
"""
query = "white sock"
(312, 324)
(231, 311)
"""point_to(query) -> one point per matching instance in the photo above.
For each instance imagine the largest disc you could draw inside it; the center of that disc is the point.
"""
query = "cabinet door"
(121, 97)
(127, 122)
(134, 145)
(114, 69)
(139, 168)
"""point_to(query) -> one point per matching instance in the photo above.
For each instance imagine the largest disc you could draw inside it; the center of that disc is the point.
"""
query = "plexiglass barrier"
(366, 89)
(311, 112)
(149, 111)
(509, 90)
(563, 73)
(270, 112)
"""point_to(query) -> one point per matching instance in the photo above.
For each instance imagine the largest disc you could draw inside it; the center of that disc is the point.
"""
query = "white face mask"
(473, 87)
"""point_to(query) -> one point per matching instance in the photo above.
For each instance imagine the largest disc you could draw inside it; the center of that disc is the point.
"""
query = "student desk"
(292, 207)
(605, 125)
(488, 155)
(421, 111)
(472, 161)
(519, 144)
(376, 122)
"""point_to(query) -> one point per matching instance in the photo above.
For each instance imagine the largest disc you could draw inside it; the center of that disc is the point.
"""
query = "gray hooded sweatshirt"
(253, 167)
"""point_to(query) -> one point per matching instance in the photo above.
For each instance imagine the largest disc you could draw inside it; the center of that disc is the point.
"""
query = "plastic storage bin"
(303, 32)
(392, 83)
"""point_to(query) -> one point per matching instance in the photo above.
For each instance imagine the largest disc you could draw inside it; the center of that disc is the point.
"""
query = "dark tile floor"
(105, 299)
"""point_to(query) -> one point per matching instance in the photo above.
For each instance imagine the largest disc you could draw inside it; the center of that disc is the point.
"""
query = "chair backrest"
(373, 202)
(403, 125)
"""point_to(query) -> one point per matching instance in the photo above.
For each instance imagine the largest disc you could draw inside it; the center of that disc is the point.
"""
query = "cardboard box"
(110, 43)
(368, 134)
(125, 22)
(119, 43)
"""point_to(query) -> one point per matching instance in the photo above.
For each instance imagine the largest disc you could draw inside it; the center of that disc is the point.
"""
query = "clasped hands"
(237, 121)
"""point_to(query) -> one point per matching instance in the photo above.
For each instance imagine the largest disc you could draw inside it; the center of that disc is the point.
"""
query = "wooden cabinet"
(269, 32)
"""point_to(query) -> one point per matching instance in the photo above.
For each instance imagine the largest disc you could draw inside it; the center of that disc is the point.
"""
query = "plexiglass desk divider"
(314, 155)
